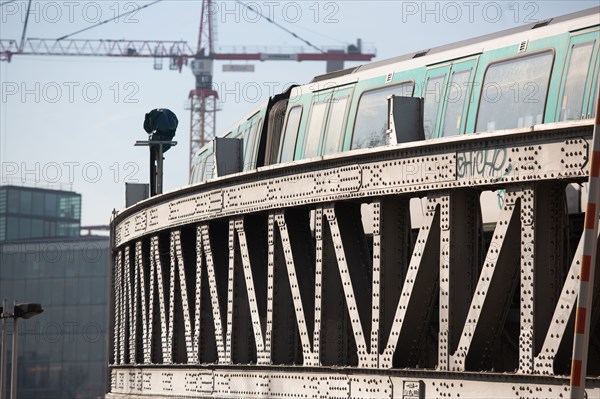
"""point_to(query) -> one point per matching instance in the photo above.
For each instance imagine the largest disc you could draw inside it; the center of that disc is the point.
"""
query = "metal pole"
(3, 356)
(152, 170)
(159, 169)
(156, 163)
(191, 139)
(588, 264)
(15, 353)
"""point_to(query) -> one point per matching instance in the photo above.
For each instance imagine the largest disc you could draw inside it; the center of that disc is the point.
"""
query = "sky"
(71, 122)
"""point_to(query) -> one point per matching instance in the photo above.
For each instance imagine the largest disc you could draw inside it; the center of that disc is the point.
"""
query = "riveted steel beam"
(204, 252)
(493, 293)
(417, 296)
(289, 290)
(317, 383)
(500, 159)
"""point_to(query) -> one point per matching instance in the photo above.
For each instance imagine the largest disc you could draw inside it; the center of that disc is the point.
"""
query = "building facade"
(62, 352)
(29, 212)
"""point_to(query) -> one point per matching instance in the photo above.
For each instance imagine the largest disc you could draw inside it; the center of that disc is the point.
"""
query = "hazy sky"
(73, 120)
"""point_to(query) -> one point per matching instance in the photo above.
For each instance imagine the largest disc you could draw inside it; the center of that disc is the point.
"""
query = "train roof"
(247, 116)
(428, 53)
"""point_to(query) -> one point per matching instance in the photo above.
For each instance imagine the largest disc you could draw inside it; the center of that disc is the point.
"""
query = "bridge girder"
(247, 285)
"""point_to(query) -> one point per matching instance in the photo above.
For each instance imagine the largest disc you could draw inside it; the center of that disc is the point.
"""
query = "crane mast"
(203, 98)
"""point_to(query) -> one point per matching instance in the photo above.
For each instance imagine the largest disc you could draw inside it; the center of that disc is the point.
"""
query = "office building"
(43, 259)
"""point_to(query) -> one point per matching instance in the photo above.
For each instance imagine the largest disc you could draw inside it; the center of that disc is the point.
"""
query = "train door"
(290, 134)
(251, 137)
(453, 116)
(594, 84)
(577, 91)
(268, 140)
(250, 161)
(316, 124)
(433, 91)
(244, 134)
(577, 96)
(446, 90)
(337, 116)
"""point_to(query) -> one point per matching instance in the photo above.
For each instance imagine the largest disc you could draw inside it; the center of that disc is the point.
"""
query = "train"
(540, 73)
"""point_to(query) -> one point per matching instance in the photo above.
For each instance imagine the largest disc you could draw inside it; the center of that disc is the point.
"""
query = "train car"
(540, 73)
(248, 130)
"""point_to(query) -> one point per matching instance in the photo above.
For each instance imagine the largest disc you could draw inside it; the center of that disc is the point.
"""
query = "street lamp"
(161, 125)
(20, 311)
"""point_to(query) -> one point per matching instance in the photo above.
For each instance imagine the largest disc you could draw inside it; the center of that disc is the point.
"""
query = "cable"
(344, 42)
(108, 20)
(280, 26)
(25, 27)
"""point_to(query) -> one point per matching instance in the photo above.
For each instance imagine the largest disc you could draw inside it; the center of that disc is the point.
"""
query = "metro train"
(539, 73)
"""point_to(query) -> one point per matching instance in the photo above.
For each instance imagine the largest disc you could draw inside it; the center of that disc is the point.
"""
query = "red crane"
(203, 98)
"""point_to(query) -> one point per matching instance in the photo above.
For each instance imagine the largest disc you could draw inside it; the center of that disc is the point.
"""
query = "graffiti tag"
(483, 163)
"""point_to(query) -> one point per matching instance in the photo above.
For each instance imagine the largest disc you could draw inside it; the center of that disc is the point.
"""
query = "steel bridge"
(315, 279)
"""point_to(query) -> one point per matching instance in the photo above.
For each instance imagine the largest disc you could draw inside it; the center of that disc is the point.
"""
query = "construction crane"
(203, 98)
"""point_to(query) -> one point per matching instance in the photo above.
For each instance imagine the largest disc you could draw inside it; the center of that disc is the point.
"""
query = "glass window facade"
(31, 213)
(63, 351)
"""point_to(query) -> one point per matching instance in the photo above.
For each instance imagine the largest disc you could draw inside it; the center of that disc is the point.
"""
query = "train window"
(246, 137)
(275, 125)
(335, 125)
(433, 96)
(572, 100)
(371, 116)
(209, 167)
(514, 93)
(193, 174)
(197, 167)
(249, 139)
(202, 170)
(290, 135)
(250, 157)
(595, 97)
(456, 94)
(315, 125)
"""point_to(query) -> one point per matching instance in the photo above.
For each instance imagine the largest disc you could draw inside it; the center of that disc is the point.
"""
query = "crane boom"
(88, 47)
(170, 49)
